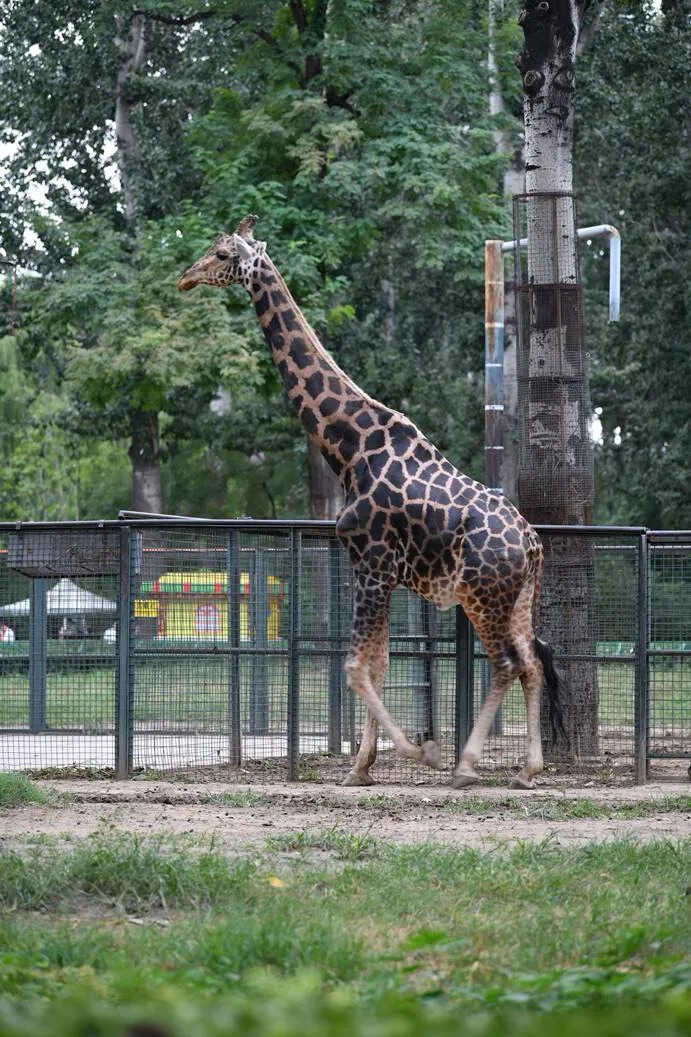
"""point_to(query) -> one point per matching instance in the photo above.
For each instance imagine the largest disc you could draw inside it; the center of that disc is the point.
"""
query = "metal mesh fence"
(220, 647)
(669, 690)
(555, 464)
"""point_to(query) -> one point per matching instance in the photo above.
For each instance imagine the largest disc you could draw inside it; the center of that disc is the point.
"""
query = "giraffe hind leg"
(366, 755)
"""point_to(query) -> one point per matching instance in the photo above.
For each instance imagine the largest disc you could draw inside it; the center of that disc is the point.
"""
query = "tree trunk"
(555, 481)
(130, 43)
(145, 458)
(325, 491)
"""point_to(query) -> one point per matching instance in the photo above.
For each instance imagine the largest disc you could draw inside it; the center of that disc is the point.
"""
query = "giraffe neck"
(326, 399)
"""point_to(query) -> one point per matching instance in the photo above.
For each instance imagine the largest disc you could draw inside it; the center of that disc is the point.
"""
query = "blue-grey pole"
(464, 705)
(233, 600)
(124, 691)
(334, 731)
(259, 687)
(641, 709)
(293, 718)
(38, 655)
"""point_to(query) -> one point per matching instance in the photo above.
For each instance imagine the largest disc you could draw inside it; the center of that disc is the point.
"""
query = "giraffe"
(409, 518)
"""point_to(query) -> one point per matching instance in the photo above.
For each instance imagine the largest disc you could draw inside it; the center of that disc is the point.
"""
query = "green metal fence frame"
(130, 527)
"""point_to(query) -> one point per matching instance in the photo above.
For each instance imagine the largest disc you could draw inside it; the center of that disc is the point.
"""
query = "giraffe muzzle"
(186, 281)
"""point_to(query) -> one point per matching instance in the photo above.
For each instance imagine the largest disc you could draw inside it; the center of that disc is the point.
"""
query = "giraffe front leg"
(367, 664)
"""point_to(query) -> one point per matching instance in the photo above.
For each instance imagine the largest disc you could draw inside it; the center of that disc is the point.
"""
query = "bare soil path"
(243, 816)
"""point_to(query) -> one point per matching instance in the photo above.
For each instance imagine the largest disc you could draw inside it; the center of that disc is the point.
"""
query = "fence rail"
(176, 644)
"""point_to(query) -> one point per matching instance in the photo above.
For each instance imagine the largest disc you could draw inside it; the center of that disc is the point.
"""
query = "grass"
(495, 917)
(17, 790)
(541, 808)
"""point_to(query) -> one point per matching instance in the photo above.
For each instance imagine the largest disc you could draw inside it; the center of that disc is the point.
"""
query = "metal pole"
(234, 725)
(416, 671)
(494, 365)
(259, 688)
(429, 620)
(464, 705)
(293, 719)
(38, 655)
(335, 735)
(124, 695)
(640, 750)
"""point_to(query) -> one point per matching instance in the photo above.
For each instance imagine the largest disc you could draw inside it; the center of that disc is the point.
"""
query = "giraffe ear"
(242, 247)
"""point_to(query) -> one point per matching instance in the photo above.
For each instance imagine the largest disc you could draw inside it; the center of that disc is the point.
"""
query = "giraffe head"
(229, 260)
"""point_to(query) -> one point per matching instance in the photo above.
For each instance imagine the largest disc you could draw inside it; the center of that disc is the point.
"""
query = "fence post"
(234, 726)
(429, 624)
(464, 706)
(293, 718)
(334, 737)
(641, 709)
(38, 655)
(259, 604)
(124, 694)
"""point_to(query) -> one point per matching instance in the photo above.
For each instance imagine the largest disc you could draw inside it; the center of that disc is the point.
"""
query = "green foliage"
(631, 165)
(272, 1007)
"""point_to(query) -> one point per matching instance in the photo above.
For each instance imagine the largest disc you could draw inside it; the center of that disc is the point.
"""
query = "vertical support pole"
(293, 719)
(38, 655)
(234, 725)
(429, 617)
(124, 695)
(335, 735)
(464, 705)
(641, 708)
(417, 671)
(259, 688)
(494, 365)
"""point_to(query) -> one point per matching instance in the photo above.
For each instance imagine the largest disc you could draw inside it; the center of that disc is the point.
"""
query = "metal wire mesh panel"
(555, 467)
(669, 715)
(209, 651)
(57, 650)
(222, 646)
(590, 615)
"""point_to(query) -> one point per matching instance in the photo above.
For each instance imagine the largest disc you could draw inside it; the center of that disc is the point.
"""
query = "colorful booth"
(194, 606)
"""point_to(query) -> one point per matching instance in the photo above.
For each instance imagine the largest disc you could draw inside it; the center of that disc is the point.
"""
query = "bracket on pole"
(601, 230)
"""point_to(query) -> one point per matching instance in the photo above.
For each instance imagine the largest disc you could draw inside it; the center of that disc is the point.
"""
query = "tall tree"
(85, 79)
(556, 473)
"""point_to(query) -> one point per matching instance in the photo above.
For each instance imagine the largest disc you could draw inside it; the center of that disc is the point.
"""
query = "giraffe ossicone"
(410, 519)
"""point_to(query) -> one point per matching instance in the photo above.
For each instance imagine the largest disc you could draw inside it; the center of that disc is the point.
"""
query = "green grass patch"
(556, 808)
(445, 938)
(125, 872)
(17, 790)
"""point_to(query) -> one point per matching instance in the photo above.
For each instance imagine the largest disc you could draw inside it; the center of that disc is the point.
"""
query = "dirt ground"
(397, 814)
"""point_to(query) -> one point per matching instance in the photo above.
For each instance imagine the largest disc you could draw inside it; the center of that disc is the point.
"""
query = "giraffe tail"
(553, 687)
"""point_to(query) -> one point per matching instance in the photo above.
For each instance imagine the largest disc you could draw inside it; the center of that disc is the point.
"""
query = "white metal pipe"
(601, 230)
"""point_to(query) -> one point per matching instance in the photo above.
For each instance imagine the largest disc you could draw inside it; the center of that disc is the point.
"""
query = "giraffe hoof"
(353, 778)
(464, 780)
(522, 783)
(430, 754)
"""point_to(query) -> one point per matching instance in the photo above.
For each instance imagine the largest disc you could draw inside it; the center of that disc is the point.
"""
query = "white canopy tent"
(64, 599)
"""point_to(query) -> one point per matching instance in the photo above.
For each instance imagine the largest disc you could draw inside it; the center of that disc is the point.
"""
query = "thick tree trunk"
(130, 43)
(325, 491)
(145, 458)
(555, 468)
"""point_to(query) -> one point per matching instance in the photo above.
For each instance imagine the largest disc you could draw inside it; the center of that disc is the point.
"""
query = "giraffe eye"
(220, 254)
